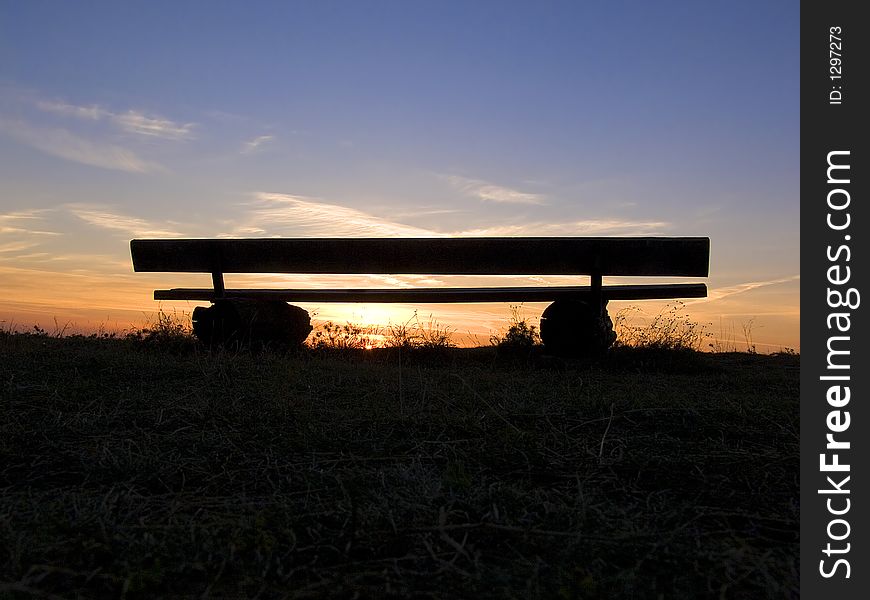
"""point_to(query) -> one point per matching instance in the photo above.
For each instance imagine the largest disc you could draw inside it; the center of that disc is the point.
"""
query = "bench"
(574, 308)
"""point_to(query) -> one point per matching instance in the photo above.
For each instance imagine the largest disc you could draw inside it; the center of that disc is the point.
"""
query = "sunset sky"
(204, 119)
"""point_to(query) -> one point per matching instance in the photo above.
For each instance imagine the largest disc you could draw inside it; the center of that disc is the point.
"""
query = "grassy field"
(136, 469)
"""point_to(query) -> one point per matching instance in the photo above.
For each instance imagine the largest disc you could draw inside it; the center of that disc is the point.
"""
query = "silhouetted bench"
(573, 306)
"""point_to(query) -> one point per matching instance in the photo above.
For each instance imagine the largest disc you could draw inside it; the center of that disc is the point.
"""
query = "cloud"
(67, 145)
(15, 246)
(131, 121)
(21, 231)
(92, 112)
(724, 292)
(7, 229)
(142, 124)
(17, 222)
(571, 228)
(253, 145)
(101, 216)
(489, 192)
(289, 215)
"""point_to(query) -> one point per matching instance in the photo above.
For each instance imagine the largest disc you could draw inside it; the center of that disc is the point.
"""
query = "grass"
(136, 468)
(671, 329)
(349, 336)
(520, 338)
(417, 335)
(413, 336)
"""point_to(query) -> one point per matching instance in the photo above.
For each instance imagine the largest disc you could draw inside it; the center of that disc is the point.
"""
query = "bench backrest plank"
(651, 256)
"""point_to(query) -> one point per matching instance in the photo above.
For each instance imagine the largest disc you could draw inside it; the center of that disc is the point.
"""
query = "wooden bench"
(595, 257)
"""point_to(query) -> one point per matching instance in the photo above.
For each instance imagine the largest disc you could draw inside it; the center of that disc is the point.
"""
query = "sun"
(366, 315)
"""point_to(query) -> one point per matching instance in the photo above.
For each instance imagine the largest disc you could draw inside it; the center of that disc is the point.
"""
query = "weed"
(171, 331)
(727, 340)
(331, 336)
(747, 337)
(520, 337)
(415, 335)
(670, 329)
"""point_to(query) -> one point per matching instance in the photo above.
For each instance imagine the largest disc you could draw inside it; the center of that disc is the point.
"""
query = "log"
(251, 323)
(576, 328)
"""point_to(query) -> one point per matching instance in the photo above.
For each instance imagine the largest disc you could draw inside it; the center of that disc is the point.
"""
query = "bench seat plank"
(629, 256)
(415, 295)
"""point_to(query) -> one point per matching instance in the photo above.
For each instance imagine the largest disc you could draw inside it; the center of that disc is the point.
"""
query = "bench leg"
(577, 328)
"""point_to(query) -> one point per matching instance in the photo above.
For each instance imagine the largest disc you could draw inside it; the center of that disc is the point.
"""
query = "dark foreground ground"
(129, 470)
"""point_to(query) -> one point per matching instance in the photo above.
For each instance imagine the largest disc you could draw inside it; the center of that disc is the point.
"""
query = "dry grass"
(130, 471)
(331, 336)
(670, 329)
(520, 338)
(417, 335)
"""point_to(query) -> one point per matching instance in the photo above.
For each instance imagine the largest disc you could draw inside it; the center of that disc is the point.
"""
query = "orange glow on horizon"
(91, 302)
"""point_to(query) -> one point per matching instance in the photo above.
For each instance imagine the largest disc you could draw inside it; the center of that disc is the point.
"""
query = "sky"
(295, 119)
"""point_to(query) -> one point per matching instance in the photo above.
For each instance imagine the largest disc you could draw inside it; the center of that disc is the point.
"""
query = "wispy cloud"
(130, 121)
(490, 192)
(15, 246)
(107, 218)
(67, 145)
(136, 122)
(290, 215)
(285, 214)
(253, 145)
(724, 292)
(22, 231)
(571, 228)
(92, 112)
(21, 222)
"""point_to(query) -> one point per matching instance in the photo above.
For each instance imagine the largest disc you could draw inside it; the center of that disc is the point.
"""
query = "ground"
(161, 470)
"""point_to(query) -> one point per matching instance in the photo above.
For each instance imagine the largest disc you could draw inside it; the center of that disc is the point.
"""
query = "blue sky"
(396, 118)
